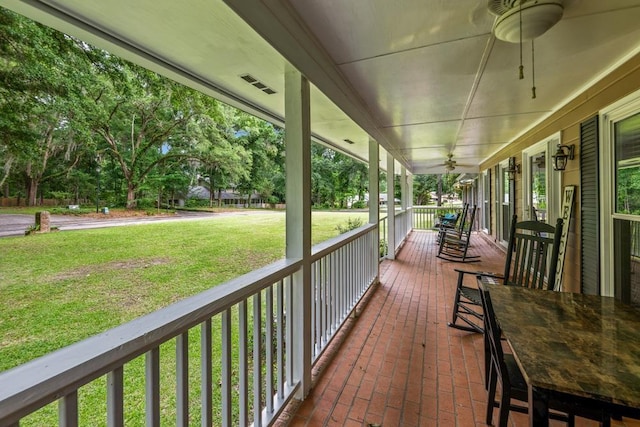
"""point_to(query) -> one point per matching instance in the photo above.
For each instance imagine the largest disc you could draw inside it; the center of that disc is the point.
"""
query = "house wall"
(616, 85)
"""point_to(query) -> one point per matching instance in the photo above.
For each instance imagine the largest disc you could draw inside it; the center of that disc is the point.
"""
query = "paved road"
(15, 225)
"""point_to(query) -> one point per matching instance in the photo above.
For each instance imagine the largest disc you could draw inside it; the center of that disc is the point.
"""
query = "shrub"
(352, 224)
(383, 247)
(360, 204)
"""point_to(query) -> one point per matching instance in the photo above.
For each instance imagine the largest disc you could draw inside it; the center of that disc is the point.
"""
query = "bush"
(146, 203)
(383, 247)
(360, 204)
(352, 224)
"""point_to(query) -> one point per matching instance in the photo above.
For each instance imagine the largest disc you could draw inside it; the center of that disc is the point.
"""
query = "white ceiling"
(424, 78)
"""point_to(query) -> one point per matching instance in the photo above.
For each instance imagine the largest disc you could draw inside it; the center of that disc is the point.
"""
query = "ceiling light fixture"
(526, 21)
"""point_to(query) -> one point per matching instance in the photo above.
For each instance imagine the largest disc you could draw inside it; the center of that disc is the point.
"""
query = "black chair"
(454, 244)
(502, 367)
(531, 261)
(451, 222)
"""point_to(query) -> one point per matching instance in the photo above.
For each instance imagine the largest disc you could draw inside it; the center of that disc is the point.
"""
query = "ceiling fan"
(449, 164)
(524, 20)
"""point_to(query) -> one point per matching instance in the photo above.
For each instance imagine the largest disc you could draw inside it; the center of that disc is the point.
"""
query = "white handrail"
(343, 269)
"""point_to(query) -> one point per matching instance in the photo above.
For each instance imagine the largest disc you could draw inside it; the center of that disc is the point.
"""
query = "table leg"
(538, 408)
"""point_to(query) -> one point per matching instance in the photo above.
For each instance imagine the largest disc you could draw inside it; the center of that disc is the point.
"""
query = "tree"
(423, 185)
(265, 143)
(322, 176)
(42, 100)
(145, 120)
(222, 160)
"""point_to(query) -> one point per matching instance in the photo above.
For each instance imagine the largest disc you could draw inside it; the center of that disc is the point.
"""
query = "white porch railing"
(249, 377)
(403, 225)
(341, 272)
(424, 217)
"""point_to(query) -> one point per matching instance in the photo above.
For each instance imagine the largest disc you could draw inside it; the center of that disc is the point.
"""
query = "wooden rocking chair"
(531, 261)
(454, 244)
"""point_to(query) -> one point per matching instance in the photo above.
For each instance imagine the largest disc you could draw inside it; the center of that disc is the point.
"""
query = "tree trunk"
(131, 196)
(439, 192)
(32, 191)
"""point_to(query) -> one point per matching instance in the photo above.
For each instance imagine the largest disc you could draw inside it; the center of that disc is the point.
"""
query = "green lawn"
(59, 288)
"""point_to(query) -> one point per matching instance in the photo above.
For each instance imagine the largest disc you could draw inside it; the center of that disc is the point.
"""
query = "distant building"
(228, 197)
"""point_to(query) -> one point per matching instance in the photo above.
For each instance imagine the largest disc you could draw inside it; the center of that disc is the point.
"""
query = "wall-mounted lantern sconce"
(562, 156)
(513, 168)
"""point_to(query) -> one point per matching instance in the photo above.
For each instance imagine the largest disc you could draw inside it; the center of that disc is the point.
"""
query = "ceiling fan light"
(538, 16)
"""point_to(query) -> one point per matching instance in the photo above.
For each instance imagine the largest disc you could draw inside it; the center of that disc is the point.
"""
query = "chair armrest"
(478, 274)
(487, 274)
(489, 278)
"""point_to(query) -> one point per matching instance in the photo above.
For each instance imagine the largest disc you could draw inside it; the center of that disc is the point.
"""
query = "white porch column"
(374, 182)
(410, 198)
(391, 210)
(298, 222)
(374, 194)
(403, 188)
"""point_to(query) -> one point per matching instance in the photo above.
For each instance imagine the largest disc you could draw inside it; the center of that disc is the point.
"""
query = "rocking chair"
(528, 264)
(454, 244)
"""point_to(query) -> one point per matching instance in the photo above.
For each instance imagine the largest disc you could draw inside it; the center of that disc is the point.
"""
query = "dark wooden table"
(574, 348)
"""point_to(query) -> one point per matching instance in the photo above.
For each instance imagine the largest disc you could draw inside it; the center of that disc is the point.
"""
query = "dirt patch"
(115, 265)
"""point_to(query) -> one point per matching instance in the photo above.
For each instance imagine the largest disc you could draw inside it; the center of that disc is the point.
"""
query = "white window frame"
(486, 213)
(554, 182)
(623, 108)
(503, 240)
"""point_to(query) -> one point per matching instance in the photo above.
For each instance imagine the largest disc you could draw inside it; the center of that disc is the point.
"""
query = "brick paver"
(399, 364)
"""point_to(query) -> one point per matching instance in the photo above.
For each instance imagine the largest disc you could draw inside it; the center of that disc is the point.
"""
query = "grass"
(58, 288)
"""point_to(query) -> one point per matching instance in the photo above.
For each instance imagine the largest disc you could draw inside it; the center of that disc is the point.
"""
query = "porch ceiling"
(423, 77)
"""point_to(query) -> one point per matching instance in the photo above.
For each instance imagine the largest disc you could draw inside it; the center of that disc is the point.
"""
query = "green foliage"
(423, 185)
(351, 224)
(384, 247)
(336, 178)
(77, 123)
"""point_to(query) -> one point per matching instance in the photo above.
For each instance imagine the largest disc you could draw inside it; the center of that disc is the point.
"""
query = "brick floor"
(397, 363)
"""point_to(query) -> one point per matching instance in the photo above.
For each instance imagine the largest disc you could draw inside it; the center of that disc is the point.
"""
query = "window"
(627, 165)
(620, 200)
(486, 201)
(541, 188)
(504, 202)
(538, 187)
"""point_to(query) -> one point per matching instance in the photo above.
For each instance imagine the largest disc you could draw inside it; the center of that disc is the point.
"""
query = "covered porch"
(399, 363)
(381, 100)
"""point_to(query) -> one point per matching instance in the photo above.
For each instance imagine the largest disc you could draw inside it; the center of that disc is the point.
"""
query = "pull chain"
(533, 72)
(521, 66)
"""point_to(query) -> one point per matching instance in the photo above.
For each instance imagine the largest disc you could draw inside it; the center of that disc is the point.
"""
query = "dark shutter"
(590, 207)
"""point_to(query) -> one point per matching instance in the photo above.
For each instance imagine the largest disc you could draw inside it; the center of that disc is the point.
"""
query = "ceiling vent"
(257, 84)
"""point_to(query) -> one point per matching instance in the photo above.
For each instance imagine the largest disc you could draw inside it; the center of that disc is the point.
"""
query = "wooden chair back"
(532, 254)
